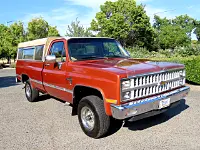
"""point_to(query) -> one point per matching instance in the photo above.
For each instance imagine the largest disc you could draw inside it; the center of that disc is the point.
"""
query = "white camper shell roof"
(46, 42)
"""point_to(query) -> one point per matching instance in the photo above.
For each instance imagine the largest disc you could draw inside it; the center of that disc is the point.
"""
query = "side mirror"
(50, 59)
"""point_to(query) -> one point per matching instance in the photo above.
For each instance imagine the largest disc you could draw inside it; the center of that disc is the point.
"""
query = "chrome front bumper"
(148, 104)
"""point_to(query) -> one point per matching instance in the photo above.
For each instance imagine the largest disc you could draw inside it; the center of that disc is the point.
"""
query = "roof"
(68, 38)
(33, 43)
(47, 41)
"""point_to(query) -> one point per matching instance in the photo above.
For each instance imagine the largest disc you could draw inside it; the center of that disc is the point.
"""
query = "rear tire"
(92, 117)
(31, 93)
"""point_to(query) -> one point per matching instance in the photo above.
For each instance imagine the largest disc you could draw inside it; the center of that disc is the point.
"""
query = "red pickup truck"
(99, 79)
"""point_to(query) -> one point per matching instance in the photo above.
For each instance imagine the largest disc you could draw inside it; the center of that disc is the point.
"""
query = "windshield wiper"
(117, 56)
(107, 56)
(92, 57)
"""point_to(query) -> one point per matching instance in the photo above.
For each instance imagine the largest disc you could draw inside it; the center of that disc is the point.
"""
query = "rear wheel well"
(24, 78)
(83, 91)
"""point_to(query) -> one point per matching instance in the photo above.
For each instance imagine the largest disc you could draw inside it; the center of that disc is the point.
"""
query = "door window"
(20, 53)
(28, 53)
(39, 52)
(58, 50)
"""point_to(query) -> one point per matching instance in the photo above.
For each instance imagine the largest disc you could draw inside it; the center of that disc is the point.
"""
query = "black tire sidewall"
(93, 133)
(29, 98)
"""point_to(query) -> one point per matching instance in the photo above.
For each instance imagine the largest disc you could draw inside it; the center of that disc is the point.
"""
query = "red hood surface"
(130, 66)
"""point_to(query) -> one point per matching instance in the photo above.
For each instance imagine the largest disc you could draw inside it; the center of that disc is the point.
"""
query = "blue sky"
(60, 13)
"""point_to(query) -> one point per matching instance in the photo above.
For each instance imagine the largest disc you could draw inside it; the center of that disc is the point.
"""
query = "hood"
(130, 66)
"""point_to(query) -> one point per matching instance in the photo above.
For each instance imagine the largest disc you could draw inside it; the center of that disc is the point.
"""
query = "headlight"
(182, 82)
(126, 96)
(126, 84)
(182, 73)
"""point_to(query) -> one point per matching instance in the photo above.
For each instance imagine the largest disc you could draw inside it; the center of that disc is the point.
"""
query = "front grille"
(155, 83)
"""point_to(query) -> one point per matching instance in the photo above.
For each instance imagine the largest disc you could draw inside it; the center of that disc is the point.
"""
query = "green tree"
(197, 30)
(76, 30)
(173, 32)
(158, 22)
(5, 42)
(186, 23)
(11, 36)
(9, 39)
(124, 21)
(17, 35)
(171, 36)
(52, 31)
(39, 28)
(3, 29)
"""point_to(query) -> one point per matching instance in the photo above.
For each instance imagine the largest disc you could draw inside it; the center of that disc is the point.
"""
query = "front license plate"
(164, 103)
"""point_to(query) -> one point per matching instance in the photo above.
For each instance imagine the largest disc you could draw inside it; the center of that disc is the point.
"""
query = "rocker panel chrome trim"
(52, 86)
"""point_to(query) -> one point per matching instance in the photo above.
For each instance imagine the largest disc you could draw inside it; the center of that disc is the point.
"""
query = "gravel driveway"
(48, 125)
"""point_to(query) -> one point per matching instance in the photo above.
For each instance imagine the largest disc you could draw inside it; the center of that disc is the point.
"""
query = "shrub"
(192, 65)
(186, 51)
(138, 52)
(165, 53)
(193, 70)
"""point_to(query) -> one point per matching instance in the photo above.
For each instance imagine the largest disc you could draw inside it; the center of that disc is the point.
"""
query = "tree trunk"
(8, 60)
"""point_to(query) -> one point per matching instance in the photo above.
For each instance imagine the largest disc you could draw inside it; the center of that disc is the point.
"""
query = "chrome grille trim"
(153, 73)
(154, 83)
(171, 82)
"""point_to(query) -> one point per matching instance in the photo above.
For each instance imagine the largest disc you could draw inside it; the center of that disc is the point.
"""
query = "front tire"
(31, 93)
(92, 117)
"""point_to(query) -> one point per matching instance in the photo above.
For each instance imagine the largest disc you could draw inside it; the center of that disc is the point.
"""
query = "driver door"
(55, 74)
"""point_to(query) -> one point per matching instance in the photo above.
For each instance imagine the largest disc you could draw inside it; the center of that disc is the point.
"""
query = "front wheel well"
(83, 91)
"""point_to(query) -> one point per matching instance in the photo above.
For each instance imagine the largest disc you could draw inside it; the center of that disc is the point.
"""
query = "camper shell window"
(31, 53)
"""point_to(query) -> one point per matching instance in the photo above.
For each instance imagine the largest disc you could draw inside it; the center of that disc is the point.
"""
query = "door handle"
(70, 80)
(59, 65)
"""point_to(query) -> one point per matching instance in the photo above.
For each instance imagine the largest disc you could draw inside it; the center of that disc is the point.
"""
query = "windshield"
(95, 48)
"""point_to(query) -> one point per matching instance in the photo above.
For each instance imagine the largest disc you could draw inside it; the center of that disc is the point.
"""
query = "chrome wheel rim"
(87, 118)
(28, 90)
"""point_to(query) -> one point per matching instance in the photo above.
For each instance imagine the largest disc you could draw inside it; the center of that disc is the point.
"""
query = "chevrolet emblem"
(162, 83)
